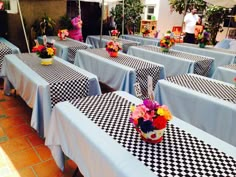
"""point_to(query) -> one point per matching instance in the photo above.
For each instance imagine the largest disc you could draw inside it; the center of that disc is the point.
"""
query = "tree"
(132, 9)
(214, 18)
(179, 5)
(214, 14)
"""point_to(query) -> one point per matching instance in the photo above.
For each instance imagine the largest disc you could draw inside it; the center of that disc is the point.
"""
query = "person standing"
(190, 21)
(76, 32)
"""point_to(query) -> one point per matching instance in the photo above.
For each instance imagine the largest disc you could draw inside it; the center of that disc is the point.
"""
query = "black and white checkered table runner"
(231, 66)
(180, 153)
(65, 83)
(143, 69)
(210, 48)
(4, 50)
(122, 41)
(203, 85)
(202, 64)
(72, 47)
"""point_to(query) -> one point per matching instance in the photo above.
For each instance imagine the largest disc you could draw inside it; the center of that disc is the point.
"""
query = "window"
(150, 12)
(10, 5)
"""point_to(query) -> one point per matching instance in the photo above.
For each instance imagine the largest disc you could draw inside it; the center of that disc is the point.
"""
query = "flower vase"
(153, 137)
(202, 45)
(114, 38)
(46, 61)
(144, 35)
(163, 49)
(113, 54)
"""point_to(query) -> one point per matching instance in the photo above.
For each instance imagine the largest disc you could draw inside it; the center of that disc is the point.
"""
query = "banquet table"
(175, 62)
(224, 44)
(119, 73)
(95, 132)
(141, 40)
(95, 41)
(206, 103)
(42, 87)
(221, 56)
(66, 49)
(225, 73)
(6, 48)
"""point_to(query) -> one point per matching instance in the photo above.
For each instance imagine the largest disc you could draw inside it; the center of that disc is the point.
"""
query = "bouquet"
(203, 38)
(146, 30)
(113, 46)
(235, 81)
(62, 34)
(150, 120)
(43, 51)
(115, 33)
(168, 40)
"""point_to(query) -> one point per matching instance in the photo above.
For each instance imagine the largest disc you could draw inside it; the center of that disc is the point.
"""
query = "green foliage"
(179, 5)
(132, 11)
(44, 26)
(65, 23)
(214, 15)
(214, 18)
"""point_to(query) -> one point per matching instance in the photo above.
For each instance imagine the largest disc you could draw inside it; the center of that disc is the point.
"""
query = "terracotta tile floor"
(22, 151)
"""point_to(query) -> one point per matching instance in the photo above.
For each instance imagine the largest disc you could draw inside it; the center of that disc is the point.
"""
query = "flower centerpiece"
(45, 52)
(235, 82)
(150, 120)
(203, 39)
(167, 41)
(113, 47)
(62, 34)
(115, 33)
(146, 31)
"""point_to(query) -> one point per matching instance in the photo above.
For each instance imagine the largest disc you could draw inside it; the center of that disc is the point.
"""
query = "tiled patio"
(22, 151)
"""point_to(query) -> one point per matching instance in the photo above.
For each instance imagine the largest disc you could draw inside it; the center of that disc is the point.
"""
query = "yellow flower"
(50, 51)
(132, 108)
(160, 111)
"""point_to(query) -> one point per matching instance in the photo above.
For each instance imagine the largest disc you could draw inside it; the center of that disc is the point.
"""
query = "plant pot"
(46, 61)
(202, 45)
(163, 49)
(155, 136)
(113, 54)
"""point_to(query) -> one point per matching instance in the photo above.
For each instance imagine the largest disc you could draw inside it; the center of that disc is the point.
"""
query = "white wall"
(165, 18)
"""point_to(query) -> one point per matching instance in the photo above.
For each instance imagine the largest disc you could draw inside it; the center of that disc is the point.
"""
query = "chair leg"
(76, 171)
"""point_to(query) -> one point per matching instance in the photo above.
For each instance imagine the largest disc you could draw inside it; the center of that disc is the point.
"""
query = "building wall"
(165, 18)
(32, 10)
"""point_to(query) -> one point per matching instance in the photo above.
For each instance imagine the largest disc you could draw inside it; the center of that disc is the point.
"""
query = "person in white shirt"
(190, 21)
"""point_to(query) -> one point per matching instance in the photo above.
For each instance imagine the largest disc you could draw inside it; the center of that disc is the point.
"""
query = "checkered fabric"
(180, 153)
(231, 66)
(143, 69)
(65, 83)
(125, 43)
(72, 47)
(4, 50)
(203, 85)
(202, 64)
(210, 48)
